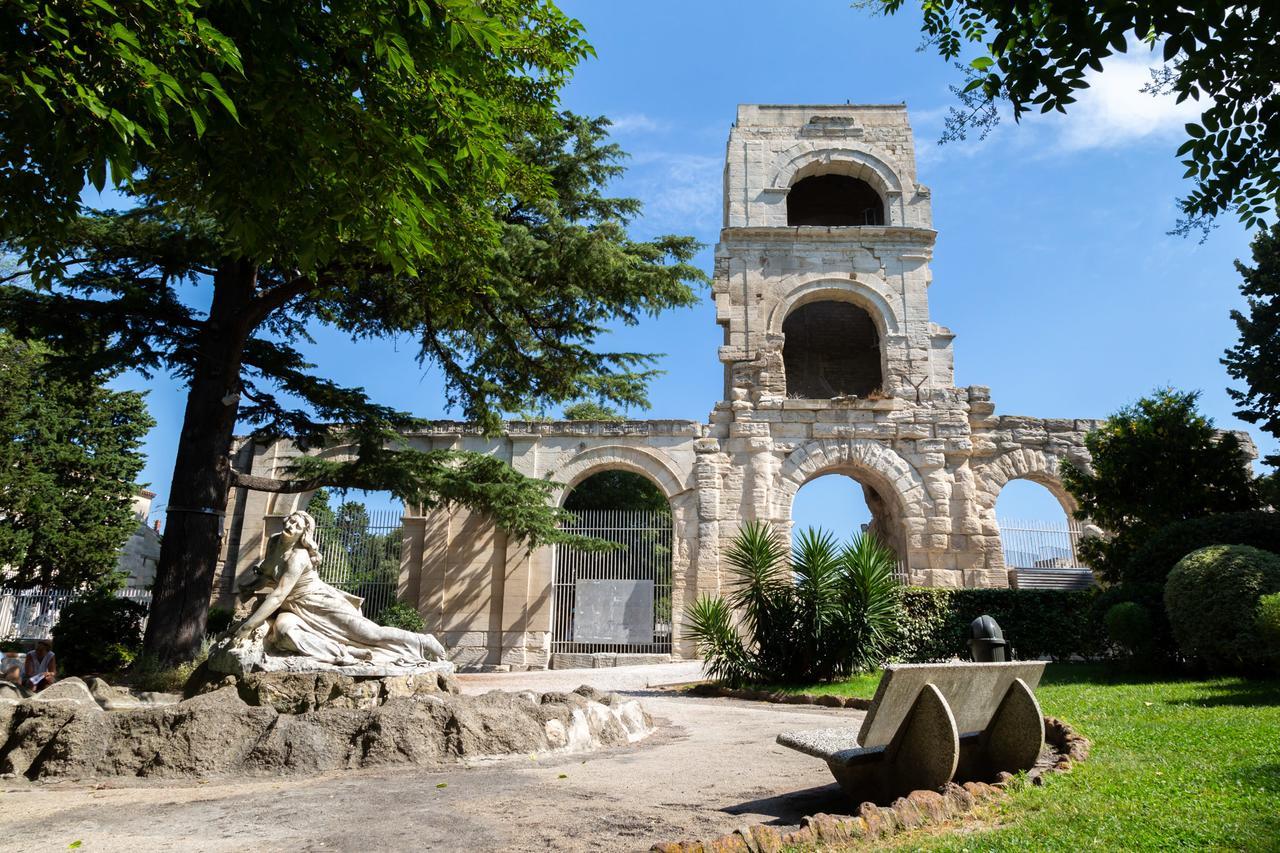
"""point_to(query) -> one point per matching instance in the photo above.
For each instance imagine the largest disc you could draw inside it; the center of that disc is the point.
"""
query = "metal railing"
(363, 559)
(30, 614)
(1040, 544)
(614, 601)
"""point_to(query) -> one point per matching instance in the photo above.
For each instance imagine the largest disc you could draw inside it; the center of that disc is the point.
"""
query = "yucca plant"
(824, 611)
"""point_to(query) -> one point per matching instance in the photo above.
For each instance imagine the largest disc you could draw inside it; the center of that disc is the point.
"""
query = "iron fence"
(362, 557)
(619, 600)
(1040, 544)
(30, 614)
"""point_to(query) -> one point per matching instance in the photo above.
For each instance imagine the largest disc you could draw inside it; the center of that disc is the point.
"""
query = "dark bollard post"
(987, 643)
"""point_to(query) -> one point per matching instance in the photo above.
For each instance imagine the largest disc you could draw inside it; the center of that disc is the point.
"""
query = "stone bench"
(934, 723)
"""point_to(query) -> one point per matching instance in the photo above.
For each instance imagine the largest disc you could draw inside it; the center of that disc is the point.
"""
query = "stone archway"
(1025, 464)
(648, 463)
(896, 492)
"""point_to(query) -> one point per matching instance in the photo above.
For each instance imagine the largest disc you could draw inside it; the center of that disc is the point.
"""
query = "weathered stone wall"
(931, 457)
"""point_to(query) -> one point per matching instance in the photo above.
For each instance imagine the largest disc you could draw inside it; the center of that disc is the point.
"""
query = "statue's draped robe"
(321, 622)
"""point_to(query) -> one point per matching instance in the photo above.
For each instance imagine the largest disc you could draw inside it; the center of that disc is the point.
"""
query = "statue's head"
(300, 528)
(299, 524)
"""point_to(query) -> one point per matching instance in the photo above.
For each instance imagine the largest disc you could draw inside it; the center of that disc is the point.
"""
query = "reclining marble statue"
(303, 624)
(930, 724)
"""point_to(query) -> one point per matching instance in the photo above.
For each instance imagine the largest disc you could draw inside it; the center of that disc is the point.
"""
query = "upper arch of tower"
(808, 165)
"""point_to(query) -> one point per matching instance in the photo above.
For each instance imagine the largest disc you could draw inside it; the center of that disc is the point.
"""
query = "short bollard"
(988, 644)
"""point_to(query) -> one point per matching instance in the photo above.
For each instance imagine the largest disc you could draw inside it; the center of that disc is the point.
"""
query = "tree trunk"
(201, 474)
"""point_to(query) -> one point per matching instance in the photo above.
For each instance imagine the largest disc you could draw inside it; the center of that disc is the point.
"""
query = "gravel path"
(711, 766)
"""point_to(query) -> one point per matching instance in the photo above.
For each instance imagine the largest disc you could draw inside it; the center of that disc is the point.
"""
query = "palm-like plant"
(825, 613)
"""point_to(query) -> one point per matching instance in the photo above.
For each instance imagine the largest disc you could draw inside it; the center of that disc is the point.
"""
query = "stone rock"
(218, 731)
(66, 690)
(54, 738)
(931, 805)
(11, 692)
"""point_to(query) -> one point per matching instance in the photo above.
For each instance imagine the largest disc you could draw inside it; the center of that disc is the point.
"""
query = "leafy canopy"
(69, 462)
(1153, 463)
(1224, 55)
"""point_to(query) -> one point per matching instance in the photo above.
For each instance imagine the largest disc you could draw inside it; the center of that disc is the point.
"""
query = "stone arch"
(894, 480)
(1025, 464)
(650, 464)
(879, 464)
(807, 159)
(866, 291)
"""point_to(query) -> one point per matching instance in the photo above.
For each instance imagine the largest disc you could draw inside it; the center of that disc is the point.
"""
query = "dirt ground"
(711, 766)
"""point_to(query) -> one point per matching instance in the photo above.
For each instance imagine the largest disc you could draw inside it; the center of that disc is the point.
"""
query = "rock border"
(779, 697)
(873, 822)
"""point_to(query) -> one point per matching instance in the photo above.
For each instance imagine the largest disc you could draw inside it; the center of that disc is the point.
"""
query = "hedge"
(1036, 623)
(1153, 561)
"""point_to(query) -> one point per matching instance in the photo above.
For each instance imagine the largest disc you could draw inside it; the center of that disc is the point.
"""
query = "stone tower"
(832, 363)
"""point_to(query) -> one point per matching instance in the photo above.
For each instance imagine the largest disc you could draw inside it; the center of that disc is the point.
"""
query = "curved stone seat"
(933, 723)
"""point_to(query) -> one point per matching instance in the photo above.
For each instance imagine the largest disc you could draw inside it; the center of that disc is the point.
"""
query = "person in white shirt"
(41, 667)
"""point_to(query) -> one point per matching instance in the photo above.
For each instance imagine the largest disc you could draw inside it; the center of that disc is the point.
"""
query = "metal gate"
(362, 557)
(619, 600)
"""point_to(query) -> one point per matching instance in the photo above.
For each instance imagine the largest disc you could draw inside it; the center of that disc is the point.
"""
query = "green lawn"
(1181, 764)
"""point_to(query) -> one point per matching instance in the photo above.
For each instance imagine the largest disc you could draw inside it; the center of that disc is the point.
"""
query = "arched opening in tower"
(831, 349)
(834, 200)
(841, 504)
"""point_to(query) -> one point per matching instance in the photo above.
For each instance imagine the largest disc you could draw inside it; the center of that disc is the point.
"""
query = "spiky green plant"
(824, 612)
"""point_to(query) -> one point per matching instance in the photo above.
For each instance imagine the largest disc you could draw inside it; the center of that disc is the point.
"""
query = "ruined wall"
(932, 457)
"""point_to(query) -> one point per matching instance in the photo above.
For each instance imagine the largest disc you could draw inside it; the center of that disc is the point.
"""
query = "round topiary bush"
(1212, 600)
(1129, 626)
(1268, 622)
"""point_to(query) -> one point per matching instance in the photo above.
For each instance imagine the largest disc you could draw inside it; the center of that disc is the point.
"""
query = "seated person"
(12, 672)
(41, 668)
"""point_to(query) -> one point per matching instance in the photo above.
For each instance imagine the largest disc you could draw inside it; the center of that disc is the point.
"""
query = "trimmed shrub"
(1161, 647)
(98, 632)
(403, 616)
(1036, 622)
(1152, 562)
(1212, 598)
(1129, 626)
(1268, 622)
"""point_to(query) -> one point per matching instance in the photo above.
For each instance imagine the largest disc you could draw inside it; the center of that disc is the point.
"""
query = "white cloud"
(1114, 111)
(681, 192)
(637, 123)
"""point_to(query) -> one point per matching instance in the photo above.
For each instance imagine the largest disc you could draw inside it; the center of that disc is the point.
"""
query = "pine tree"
(69, 462)
(1255, 359)
(387, 169)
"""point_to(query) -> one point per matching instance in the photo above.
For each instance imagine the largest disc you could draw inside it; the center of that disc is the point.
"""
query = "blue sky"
(1052, 264)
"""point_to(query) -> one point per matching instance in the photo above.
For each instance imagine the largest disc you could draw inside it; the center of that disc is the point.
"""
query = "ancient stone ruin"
(832, 364)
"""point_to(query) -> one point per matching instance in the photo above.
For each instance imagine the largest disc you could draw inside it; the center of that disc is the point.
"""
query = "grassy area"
(858, 685)
(1185, 764)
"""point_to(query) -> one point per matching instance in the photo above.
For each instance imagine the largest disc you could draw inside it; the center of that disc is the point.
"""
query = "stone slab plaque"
(613, 611)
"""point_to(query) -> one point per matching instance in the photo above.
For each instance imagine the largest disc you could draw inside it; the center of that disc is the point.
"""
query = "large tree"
(1153, 463)
(388, 169)
(1035, 54)
(69, 463)
(1255, 359)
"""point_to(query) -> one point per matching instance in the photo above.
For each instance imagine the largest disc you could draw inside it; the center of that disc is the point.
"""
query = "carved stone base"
(242, 657)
